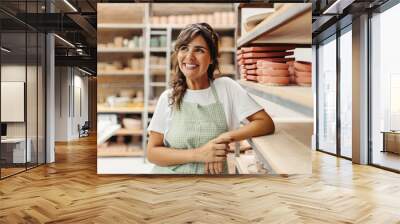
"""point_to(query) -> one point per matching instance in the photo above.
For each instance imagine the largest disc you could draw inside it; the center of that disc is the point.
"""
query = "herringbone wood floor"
(70, 191)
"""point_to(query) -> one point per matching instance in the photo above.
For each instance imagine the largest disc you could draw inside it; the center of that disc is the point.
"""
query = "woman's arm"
(260, 124)
(157, 153)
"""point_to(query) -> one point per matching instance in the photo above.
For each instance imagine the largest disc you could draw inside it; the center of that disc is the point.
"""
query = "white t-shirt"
(237, 103)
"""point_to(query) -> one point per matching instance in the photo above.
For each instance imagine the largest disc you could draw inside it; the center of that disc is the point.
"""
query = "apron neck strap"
(214, 91)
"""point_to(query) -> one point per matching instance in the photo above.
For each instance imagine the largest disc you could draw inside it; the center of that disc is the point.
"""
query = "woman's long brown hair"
(178, 82)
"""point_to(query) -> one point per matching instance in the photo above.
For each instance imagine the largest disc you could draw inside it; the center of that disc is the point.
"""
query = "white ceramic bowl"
(131, 123)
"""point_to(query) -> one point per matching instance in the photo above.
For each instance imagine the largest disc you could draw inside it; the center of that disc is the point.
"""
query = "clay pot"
(268, 48)
(275, 81)
(251, 77)
(217, 18)
(304, 80)
(131, 123)
(265, 54)
(290, 63)
(243, 71)
(186, 19)
(251, 66)
(118, 41)
(292, 79)
(155, 20)
(210, 19)
(254, 60)
(302, 66)
(273, 72)
(302, 74)
(252, 21)
(127, 93)
(180, 20)
(291, 70)
(251, 72)
(164, 20)
(226, 58)
(231, 18)
(194, 18)
(273, 65)
(227, 41)
(172, 20)
(224, 18)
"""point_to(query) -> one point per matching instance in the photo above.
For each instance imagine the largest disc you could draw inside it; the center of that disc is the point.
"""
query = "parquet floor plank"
(70, 191)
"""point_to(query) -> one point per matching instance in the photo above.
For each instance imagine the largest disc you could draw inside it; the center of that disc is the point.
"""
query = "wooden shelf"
(158, 49)
(120, 72)
(126, 26)
(282, 153)
(297, 98)
(119, 50)
(228, 49)
(154, 67)
(123, 110)
(154, 72)
(290, 24)
(179, 27)
(245, 164)
(107, 133)
(119, 151)
(158, 84)
(125, 131)
(158, 32)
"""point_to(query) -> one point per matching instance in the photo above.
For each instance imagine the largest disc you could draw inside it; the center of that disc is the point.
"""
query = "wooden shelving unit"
(119, 50)
(297, 98)
(126, 131)
(107, 133)
(123, 110)
(129, 23)
(120, 151)
(227, 50)
(290, 24)
(180, 27)
(158, 49)
(281, 152)
(120, 72)
(245, 164)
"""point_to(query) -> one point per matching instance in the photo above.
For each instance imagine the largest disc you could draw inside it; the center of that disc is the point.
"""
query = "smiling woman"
(197, 118)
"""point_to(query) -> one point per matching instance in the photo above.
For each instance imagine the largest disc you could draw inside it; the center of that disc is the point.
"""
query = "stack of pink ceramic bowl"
(271, 73)
(302, 71)
(266, 64)
(292, 76)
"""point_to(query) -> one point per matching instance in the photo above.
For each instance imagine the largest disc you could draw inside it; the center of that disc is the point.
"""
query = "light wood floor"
(388, 159)
(70, 191)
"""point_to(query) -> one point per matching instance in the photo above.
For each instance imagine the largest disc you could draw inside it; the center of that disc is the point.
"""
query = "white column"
(50, 98)
(360, 90)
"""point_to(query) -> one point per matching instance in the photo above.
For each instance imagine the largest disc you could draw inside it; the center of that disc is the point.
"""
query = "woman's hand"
(218, 167)
(214, 151)
(213, 168)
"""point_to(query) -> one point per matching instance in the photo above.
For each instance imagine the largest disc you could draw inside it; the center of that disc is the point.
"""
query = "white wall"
(69, 85)
(61, 103)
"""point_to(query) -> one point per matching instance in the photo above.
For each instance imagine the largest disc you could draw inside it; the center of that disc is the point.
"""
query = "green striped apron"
(193, 126)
